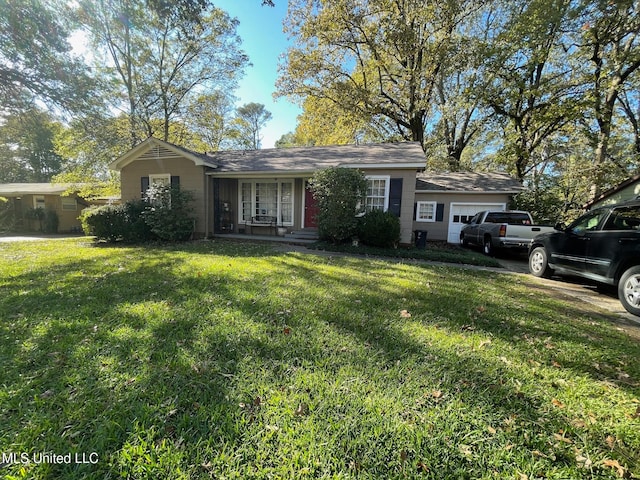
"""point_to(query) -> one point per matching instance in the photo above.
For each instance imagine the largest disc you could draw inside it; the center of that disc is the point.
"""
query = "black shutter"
(395, 196)
(439, 212)
(175, 181)
(144, 186)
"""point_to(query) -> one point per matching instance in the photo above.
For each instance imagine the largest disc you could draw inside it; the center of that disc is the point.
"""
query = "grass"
(435, 252)
(232, 360)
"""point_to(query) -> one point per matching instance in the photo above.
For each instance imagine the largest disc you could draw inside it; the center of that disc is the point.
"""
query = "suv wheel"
(539, 263)
(629, 290)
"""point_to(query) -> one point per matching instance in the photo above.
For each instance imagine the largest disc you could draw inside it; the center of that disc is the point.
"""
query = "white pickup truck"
(493, 230)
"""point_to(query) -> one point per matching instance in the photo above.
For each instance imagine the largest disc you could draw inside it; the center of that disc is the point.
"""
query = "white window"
(160, 179)
(38, 201)
(377, 193)
(426, 212)
(69, 204)
(264, 197)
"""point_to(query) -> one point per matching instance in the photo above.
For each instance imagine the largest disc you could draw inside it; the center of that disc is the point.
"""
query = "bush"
(117, 222)
(339, 192)
(50, 222)
(379, 229)
(168, 213)
(165, 215)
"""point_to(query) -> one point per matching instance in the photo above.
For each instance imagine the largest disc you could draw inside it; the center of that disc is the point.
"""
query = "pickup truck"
(602, 245)
(493, 230)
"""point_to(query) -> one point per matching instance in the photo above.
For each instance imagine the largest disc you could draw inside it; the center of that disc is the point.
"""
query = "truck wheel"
(463, 240)
(539, 263)
(487, 247)
(629, 290)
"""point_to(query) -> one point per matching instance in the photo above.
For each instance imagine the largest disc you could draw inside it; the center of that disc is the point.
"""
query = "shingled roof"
(310, 159)
(467, 182)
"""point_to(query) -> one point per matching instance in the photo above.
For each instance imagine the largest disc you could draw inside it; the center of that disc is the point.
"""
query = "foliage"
(164, 56)
(50, 222)
(165, 214)
(379, 229)
(169, 213)
(35, 58)
(339, 193)
(115, 223)
(7, 219)
(205, 360)
(27, 148)
(249, 122)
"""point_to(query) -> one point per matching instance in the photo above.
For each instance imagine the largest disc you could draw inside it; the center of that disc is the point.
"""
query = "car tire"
(629, 290)
(487, 247)
(539, 263)
(463, 240)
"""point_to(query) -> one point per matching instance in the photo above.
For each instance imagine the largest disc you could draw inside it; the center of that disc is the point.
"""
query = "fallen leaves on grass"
(405, 314)
(557, 403)
(621, 471)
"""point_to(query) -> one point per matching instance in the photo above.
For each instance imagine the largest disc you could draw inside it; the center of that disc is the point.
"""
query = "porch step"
(303, 235)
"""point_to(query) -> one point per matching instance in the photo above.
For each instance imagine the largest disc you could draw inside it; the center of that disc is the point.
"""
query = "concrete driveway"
(605, 298)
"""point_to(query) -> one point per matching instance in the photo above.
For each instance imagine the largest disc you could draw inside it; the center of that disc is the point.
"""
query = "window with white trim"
(163, 179)
(69, 204)
(377, 193)
(264, 197)
(38, 201)
(426, 212)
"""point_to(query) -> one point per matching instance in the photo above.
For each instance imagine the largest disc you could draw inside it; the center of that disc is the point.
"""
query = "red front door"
(310, 209)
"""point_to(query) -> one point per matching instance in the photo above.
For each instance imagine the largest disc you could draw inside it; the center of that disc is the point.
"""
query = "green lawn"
(231, 360)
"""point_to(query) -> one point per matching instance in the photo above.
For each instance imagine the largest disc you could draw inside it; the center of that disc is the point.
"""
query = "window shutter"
(439, 212)
(395, 196)
(144, 186)
(175, 181)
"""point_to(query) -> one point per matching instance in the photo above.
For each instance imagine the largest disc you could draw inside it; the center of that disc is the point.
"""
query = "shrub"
(339, 192)
(379, 229)
(117, 222)
(168, 213)
(50, 222)
(7, 219)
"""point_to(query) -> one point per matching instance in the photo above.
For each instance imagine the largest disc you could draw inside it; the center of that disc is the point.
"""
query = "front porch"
(303, 237)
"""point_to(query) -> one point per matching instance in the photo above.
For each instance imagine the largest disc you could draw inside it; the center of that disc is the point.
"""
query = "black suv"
(602, 245)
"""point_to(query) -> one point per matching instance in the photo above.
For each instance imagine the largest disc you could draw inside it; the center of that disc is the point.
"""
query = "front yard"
(233, 360)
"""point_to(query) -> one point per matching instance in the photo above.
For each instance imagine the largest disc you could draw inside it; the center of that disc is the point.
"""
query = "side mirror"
(560, 226)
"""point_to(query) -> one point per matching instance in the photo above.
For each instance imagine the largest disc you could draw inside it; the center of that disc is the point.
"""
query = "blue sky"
(263, 40)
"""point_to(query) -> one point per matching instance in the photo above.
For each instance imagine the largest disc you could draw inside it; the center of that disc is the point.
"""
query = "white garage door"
(460, 213)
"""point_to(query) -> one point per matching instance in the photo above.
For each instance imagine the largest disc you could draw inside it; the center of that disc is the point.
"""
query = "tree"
(35, 57)
(250, 120)
(27, 151)
(209, 119)
(532, 92)
(376, 58)
(162, 54)
(611, 43)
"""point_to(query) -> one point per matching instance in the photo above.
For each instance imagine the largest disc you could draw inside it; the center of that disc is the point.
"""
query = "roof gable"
(153, 149)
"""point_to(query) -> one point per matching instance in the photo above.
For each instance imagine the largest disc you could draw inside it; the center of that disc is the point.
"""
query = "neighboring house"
(445, 202)
(24, 197)
(627, 190)
(235, 190)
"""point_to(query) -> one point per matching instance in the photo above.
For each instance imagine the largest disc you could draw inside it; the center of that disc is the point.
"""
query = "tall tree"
(36, 59)
(532, 90)
(611, 43)
(250, 120)
(209, 119)
(374, 58)
(162, 53)
(27, 150)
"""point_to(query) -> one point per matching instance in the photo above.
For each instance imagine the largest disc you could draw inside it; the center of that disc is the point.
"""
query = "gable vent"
(159, 152)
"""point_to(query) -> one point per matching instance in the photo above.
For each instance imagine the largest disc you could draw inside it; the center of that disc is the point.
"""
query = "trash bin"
(420, 238)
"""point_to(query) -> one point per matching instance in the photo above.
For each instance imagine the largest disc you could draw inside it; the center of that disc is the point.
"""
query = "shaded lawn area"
(232, 360)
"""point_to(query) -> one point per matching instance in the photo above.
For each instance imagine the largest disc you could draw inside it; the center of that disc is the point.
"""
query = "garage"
(461, 213)
(443, 202)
